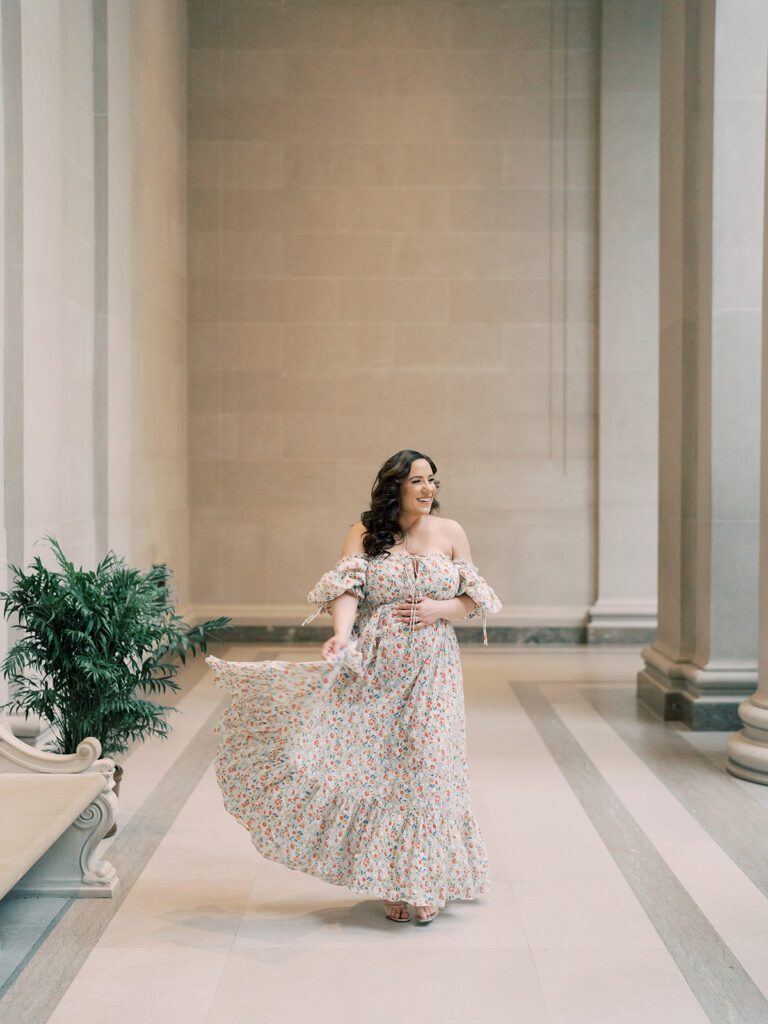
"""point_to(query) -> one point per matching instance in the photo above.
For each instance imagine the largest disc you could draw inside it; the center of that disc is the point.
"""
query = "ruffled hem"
(363, 845)
(309, 824)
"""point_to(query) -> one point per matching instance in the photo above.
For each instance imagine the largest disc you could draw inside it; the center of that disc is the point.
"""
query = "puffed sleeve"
(348, 574)
(473, 585)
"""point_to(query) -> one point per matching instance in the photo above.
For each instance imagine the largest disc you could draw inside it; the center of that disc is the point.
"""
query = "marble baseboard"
(716, 714)
(467, 635)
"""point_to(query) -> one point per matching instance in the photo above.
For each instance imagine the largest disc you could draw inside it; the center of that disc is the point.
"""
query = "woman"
(357, 773)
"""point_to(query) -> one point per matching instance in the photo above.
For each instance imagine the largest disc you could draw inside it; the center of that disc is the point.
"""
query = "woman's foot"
(427, 913)
(396, 910)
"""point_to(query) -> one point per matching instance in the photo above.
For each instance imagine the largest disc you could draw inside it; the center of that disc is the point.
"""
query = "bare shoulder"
(353, 542)
(457, 538)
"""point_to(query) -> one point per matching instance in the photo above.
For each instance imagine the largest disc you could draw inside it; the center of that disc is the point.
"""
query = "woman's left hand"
(426, 611)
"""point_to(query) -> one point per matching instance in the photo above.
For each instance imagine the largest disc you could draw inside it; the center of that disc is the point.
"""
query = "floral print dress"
(356, 771)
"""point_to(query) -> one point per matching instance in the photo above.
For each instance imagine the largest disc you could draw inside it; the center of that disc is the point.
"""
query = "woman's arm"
(343, 611)
(459, 549)
(344, 607)
(454, 609)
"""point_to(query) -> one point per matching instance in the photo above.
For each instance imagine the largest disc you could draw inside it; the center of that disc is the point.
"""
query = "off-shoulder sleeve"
(473, 585)
(348, 575)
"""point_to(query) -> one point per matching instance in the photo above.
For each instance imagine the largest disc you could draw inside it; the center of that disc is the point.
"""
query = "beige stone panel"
(204, 482)
(450, 72)
(338, 255)
(373, 436)
(259, 435)
(263, 118)
(534, 483)
(203, 23)
(393, 209)
(310, 300)
(581, 254)
(204, 164)
(323, 350)
(578, 160)
(400, 394)
(456, 165)
(204, 208)
(521, 391)
(509, 27)
(580, 391)
(249, 254)
(251, 164)
(252, 346)
(501, 118)
(204, 346)
(388, 26)
(507, 435)
(210, 439)
(529, 344)
(581, 302)
(340, 163)
(305, 484)
(501, 209)
(499, 301)
(245, 74)
(448, 254)
(526, 165)
(583, 27)
(533, 72)
(527, 254)
(204, 391)
(583, 72)
(278, 300)
(205, 255)
(337, 73)
(205, 302)
(581, 440)
(397, 301)
(579, 210)
(581, 121)
(284, 516)
(204, 69)
(254, 26)
(249, 391)
(438, 346)
(571, 544)
(272, 209)
(240, 575)
(252, 300)
(392, 118)
(311, 433)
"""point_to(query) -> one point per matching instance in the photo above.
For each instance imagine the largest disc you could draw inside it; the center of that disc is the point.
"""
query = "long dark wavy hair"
(381, 519)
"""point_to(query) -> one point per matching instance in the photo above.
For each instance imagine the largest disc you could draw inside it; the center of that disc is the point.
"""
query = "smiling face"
(418, 489)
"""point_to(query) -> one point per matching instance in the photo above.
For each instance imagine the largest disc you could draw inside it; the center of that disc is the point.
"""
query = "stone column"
(625, 609)
(748, 750)
(713, 73)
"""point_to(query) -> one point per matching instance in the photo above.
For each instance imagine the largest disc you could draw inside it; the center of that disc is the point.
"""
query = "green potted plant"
(94, 641)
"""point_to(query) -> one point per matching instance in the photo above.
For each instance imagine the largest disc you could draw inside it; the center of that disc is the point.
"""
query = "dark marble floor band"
(723, 988)
(737, 822)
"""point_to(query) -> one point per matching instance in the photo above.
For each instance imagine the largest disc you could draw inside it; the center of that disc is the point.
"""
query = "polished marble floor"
(630, 883)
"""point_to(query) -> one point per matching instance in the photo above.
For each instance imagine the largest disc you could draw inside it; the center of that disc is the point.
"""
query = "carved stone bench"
(54, 811)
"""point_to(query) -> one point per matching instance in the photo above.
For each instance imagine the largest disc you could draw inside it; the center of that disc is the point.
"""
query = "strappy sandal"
(432, 916)
(395, 905)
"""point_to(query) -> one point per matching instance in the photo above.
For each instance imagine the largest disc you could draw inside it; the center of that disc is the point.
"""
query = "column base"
(704, 699)
(748, 749)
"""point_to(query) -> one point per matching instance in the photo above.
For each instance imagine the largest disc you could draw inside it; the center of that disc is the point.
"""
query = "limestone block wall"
(392, 244)
(93, 282)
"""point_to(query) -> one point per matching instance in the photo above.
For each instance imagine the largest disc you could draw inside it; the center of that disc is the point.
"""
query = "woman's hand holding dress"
(427, 611)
